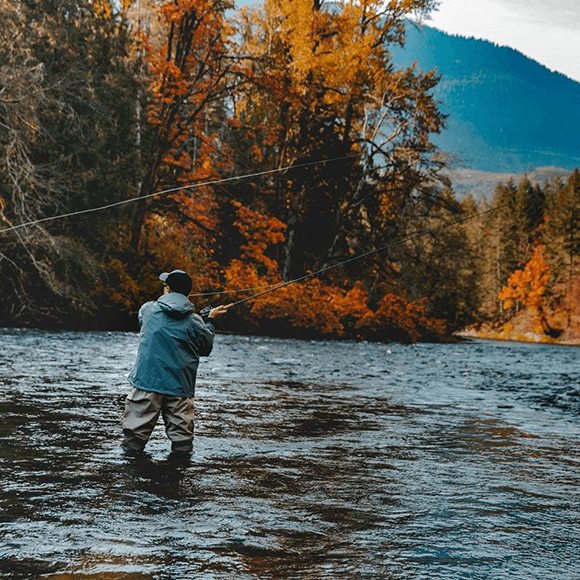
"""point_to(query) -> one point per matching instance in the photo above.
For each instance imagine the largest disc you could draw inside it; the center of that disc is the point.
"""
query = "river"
(313, 460)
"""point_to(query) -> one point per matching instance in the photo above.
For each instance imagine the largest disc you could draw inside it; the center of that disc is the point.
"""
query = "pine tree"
(562, 235)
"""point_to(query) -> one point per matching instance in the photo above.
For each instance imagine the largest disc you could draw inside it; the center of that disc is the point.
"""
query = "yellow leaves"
(507, 302)
(528, 286)
(337, 49)
(102, 8)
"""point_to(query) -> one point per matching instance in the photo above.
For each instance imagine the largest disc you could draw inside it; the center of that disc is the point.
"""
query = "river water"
(313, 460)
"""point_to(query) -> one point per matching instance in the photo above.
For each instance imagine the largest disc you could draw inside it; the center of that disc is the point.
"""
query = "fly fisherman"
(171, 340)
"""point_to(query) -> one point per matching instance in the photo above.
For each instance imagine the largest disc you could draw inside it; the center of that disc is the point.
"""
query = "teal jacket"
(171, 340)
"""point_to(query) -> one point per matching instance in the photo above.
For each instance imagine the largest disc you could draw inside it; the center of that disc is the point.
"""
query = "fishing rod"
(358, 257)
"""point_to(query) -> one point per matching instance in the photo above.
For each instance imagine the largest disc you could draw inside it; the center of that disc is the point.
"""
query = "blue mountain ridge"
(506, 112)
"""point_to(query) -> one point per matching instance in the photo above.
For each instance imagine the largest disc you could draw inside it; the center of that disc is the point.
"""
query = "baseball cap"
(178, 281)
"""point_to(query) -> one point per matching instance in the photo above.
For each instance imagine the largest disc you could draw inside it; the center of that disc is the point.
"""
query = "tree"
(187, 64)
(321, 86)
(527, 288)
(442, 265)
(562, 236)
(512, 231)
(564, 211)
(66, 117)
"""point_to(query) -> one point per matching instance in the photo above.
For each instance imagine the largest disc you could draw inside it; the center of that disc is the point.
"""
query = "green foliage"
(66, 144)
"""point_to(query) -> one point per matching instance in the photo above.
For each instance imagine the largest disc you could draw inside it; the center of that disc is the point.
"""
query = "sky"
(547, 31)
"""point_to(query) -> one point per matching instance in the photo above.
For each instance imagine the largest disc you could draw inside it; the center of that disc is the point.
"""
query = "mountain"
(507, 113)
(483, 183)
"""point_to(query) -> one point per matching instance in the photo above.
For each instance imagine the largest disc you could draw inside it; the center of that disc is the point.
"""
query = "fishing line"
(371, 252)
(174, 189)
(271, 288)
(234, 291)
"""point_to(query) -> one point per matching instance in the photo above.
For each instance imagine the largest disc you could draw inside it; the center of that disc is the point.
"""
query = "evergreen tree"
(562, 236)
(564, 212)
(443, 265)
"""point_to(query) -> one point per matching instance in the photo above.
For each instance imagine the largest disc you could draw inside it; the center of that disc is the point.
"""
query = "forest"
(253, 147)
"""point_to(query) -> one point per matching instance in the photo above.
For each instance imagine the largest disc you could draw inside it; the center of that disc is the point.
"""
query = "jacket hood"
(176, 305)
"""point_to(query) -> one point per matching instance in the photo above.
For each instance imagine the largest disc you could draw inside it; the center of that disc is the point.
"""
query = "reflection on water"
(312, 460)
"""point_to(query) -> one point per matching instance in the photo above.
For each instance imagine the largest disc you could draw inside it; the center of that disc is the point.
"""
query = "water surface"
(312, 460)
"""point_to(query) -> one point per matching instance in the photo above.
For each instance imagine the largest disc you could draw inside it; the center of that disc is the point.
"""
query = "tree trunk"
(289, 246)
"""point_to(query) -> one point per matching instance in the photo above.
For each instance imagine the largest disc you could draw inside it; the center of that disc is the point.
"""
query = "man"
(171, 340)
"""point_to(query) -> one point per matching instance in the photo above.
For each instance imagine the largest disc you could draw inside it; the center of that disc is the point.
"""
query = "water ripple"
(316, 460)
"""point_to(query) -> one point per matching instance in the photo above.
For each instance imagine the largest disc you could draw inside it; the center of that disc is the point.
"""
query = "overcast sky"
(546, 30)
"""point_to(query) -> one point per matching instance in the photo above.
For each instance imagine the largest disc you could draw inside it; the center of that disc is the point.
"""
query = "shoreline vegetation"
(521, 330)
(250, 148)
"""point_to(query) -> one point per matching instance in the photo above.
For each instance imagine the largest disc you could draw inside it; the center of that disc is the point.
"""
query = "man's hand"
(218, 311)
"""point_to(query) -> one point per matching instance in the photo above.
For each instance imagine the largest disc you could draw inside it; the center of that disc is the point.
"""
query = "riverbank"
(524, 328)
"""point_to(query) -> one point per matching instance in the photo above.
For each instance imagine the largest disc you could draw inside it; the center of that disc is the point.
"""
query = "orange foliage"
(186, 66)
(528, 286)
(259, 231)
(254, 269)
(399, 319)
(311, 307)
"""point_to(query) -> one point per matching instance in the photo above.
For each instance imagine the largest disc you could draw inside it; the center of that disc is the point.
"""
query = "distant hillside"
(507, 113)
(482, 184)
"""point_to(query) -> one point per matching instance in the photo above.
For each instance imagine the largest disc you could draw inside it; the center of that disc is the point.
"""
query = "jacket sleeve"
(206, 335)
(142, 312)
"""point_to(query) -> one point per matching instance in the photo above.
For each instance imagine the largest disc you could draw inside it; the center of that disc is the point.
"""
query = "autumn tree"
(324, 96)
(186, 61)
(526, 288)
(320, 98)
